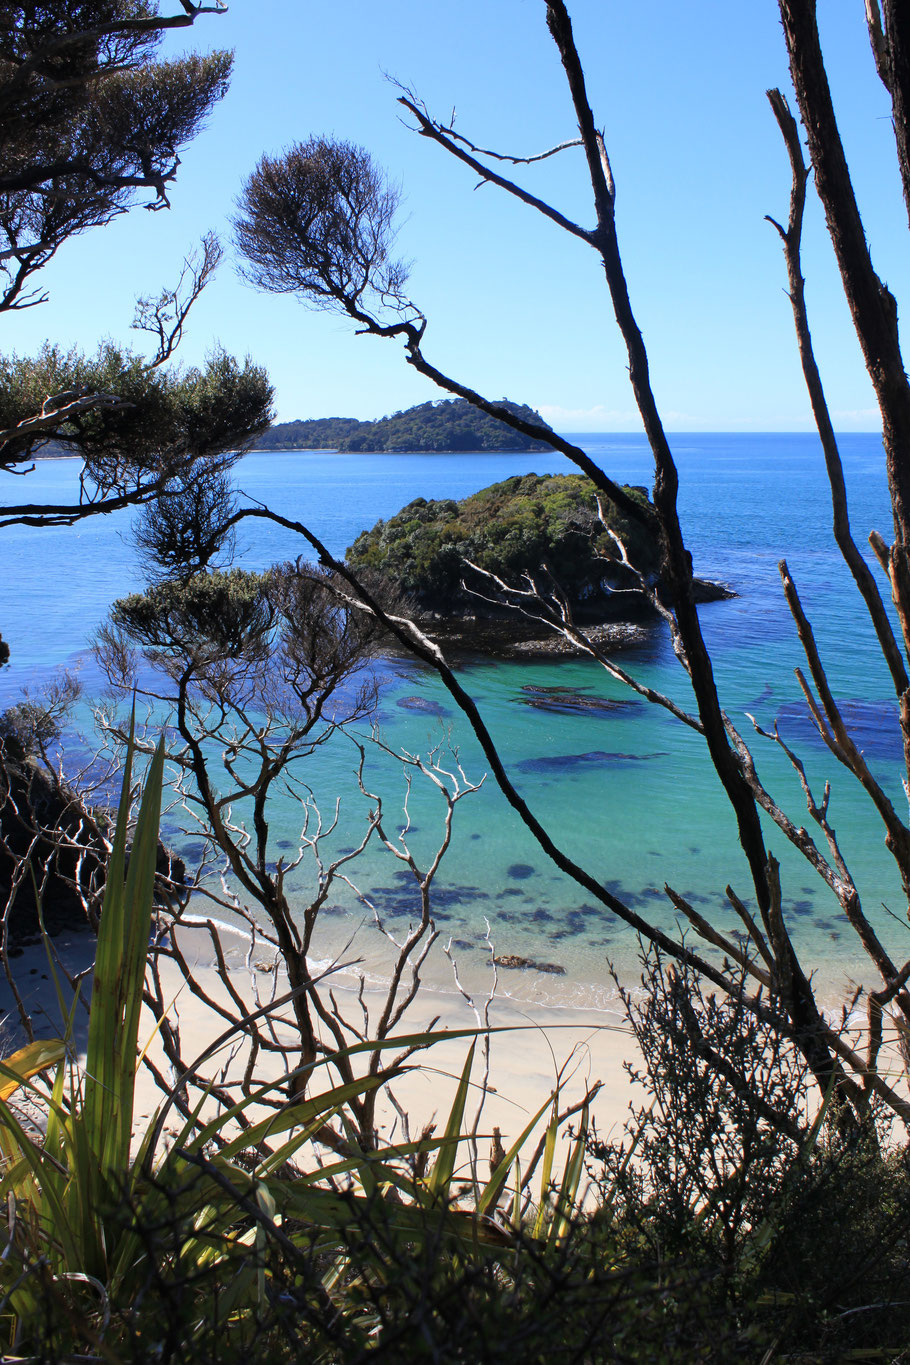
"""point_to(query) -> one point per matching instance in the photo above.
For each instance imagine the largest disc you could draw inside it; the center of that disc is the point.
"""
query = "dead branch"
(837, 737)
(791, 238)
(165, 317)
(458, 147)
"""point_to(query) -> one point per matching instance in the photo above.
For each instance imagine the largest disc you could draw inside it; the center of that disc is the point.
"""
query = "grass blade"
(440, 1180)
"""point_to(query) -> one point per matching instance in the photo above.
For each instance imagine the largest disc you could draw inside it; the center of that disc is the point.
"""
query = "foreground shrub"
(796, 1228)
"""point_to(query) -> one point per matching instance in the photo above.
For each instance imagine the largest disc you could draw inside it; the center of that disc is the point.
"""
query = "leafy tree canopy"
(88, 117)
(322, 433)
(282, 639)
(441, 425)
(528, 524)
(158, 420)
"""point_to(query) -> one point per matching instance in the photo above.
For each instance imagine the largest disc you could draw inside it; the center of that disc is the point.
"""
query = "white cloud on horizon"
(588, 419)
(601, 418)
(871, 415)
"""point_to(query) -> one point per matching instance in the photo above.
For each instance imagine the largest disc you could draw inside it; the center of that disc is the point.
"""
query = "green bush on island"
(527, 524)
(440, 425)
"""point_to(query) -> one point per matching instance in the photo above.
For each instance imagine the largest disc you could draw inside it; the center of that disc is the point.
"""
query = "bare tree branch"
(427, 127)
(791, 238)
(164, 318)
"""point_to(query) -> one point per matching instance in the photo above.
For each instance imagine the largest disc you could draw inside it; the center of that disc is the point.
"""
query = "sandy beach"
(533, 1049)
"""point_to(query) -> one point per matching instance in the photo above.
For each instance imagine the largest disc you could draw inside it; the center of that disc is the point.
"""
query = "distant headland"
(446, 425)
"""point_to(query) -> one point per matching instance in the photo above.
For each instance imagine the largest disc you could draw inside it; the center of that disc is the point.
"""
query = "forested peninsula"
(443, 425)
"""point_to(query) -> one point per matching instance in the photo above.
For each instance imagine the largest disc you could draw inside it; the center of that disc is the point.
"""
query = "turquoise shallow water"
(627, 791)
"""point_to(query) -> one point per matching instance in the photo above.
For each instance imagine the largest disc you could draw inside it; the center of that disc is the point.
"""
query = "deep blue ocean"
(627, 792)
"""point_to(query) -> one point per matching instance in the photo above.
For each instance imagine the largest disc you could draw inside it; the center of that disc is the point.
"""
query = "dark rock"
(430, 708)
(192, 852)
(512, 962)
(513, 637)
(520, 872)
(706, 590)
(44, 818)
(564, 701)
(874, 726)
(560, 762)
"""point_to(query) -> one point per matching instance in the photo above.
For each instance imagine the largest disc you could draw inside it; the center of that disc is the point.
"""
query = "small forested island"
(525, 524)
(444, 425)
(546, 526)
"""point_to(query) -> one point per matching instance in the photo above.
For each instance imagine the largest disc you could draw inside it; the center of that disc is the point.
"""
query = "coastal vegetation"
(725, 1224)
(758, 1206)
(550, 527)
(442, 425)
(166, 425)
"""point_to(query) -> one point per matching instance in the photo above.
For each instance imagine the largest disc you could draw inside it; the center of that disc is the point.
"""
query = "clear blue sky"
(515, 307)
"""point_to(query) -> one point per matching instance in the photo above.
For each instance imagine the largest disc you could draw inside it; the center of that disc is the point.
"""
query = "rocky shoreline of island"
(501, 633)
(455, 567)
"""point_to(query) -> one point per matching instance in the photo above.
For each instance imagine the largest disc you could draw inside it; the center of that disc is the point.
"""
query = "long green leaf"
(104, 1014)
(440, 1179)
(547, 1170)
(493, 1188)
(46, 1198)
(35, 1057)
(107, 1112)
(567, 1199)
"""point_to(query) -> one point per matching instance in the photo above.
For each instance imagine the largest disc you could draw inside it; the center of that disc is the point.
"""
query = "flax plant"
(124, 1246)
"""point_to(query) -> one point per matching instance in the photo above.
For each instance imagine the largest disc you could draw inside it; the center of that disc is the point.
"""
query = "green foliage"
(526, 524)
(321, 433)
(89, 118)
(283, 637)
(215, 1246)
(168, 416)
(226, 613)
(443, 425)
(188, 526)
(232, 1243)
(65, 1183)
(32, 724)
(792, 1237)
(317, 221)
